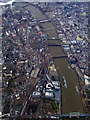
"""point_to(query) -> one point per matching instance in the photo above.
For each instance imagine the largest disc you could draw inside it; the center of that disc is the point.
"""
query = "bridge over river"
(73, 115)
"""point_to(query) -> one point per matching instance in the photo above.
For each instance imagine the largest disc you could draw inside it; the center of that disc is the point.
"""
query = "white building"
(87, 81)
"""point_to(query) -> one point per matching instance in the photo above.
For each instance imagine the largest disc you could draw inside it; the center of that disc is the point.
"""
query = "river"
(71, 101)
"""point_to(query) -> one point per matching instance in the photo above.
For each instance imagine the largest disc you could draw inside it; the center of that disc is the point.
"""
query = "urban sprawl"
(31, 86)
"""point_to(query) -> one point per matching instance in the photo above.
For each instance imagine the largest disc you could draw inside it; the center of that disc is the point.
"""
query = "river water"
(71, 101)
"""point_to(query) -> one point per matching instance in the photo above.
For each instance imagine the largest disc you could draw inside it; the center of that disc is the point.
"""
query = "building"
(87, 82)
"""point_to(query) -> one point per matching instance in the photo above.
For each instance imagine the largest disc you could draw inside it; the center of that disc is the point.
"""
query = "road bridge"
(53, 39)
(54, 44)
(61, 56)
(45, 20)
(74, 115)
(67, 115)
